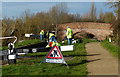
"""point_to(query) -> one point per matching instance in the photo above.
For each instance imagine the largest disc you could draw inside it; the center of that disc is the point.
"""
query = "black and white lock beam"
(11, 52)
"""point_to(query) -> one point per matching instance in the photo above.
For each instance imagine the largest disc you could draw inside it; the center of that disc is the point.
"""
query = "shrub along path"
(100, 61)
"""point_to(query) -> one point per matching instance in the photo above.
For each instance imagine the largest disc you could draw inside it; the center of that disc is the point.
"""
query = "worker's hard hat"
(53, 31)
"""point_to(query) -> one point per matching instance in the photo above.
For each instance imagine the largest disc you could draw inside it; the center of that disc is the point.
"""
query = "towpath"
(100, 61)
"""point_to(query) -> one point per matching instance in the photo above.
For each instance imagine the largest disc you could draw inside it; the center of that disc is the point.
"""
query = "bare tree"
(101, 16)
(93, 12)
(116, 25)
(57, 14)
(109, 17)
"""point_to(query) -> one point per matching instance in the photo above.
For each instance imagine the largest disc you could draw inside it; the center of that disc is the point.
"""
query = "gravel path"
(100, 61)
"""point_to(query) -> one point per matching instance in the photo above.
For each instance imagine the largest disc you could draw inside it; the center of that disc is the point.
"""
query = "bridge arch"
(100, 31)
(83, 34)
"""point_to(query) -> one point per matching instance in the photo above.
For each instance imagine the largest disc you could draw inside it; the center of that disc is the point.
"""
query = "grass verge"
(89, 40)
(76, 61)
(111, 48)
(23, 43)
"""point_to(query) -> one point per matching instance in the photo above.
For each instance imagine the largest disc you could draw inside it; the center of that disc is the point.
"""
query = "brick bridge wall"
(99, 30)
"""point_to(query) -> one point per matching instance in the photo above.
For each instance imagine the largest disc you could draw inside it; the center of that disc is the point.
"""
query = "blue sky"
(55, 0)
(16, 9)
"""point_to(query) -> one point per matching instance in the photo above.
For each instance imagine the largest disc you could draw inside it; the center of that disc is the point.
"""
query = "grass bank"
(76, 61)
(113, 49)
(23, 43)
(89, 40)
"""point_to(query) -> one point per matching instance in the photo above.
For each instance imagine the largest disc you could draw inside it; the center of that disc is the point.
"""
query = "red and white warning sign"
(54, 53)
(54, 56)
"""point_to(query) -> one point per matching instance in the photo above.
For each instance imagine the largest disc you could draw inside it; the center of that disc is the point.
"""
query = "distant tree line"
(58, 14)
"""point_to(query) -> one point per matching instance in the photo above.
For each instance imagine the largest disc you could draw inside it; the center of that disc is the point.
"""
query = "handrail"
(9, 38)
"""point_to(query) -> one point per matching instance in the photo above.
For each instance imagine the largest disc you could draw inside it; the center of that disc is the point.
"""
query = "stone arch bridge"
(99, 30)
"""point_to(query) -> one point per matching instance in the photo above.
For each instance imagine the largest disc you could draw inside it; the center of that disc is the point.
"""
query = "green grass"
(3, 48)
(111, 48)
(23, 43)
(84, 41)
(27, 42)
(77, 64)
(89, 40)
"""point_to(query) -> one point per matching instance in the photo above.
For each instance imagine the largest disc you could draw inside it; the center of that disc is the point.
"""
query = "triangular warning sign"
(54, 53)
(55, 56)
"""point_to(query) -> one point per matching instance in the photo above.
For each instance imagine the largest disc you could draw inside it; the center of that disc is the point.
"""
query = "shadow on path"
(92, 60)
(81, 55)
(83, 62)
